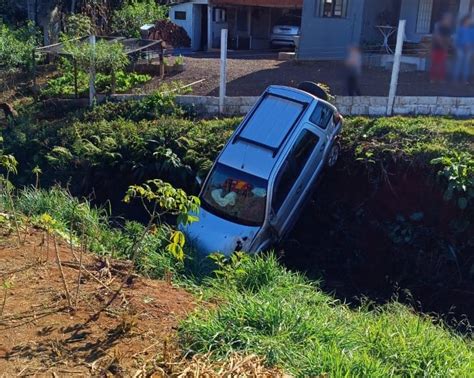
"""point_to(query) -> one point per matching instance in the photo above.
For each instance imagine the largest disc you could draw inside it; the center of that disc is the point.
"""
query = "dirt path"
(39, 335)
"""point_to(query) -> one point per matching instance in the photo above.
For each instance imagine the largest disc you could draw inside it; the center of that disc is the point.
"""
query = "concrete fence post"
(223, 74)
(396, 67)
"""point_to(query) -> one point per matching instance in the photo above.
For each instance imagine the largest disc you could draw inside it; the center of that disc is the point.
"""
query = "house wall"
(409, 12)
(328, 38)
(373, 11)
(192, 23)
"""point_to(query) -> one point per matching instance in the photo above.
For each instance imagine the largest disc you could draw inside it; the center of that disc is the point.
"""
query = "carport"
(249, 22)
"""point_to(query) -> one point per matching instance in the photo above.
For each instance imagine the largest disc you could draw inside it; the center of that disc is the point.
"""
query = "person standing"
(354, 70)
(464, 44)
(441, 45)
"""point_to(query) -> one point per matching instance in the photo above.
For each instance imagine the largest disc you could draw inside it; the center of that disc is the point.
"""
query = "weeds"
(283, 317)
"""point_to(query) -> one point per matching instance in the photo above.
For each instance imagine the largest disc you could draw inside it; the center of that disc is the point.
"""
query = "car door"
(295, 178)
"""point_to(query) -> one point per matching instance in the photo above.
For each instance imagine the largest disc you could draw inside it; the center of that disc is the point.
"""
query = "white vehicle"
(266, 172)
(285, 30)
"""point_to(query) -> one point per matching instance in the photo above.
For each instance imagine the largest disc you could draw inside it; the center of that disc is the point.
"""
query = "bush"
(288, 320)
(16, 47)
(135, 13)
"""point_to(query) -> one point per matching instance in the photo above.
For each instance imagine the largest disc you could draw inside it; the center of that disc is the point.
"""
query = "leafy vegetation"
(267, 310)
(445, 143)
(64, 84)
(135, 13)
(109, 61)
(132, 140)
(16, 46)
(76, 220)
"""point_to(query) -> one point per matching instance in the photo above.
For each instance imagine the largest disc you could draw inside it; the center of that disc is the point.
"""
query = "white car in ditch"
(261, 180)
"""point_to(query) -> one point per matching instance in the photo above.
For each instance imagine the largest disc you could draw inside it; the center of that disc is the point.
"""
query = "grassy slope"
(267, 310)
(263, 308)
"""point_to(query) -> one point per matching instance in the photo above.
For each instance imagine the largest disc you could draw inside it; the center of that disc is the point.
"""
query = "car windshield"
(289, 21)
(235, 195)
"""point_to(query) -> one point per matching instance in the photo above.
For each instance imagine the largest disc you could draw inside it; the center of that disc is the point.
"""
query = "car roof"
(259, 141)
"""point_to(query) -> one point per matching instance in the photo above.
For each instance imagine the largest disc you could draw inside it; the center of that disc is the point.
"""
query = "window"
(180, 15)
(321, 115)
(235, 195)
(333, 8)
(423, 23)
(292, 167)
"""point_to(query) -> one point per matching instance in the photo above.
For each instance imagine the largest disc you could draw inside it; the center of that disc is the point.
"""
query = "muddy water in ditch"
(396, 239)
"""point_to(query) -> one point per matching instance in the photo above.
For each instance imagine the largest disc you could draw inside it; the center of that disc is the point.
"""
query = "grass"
(79, 220)
(263, 309)
(259, 306)
(267, 310)
(419, 139)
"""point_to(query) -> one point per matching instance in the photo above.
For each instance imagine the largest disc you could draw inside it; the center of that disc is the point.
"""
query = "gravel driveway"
(249, 75)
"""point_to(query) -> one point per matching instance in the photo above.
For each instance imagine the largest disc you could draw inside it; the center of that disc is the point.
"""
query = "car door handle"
(322, 147)
(299, 190)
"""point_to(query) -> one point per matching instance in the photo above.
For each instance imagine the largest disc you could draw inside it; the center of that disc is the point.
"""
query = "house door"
(242, 22)
(204, 24)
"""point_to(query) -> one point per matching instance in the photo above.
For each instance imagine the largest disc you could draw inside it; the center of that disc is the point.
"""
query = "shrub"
(134, 13)
(16, 47)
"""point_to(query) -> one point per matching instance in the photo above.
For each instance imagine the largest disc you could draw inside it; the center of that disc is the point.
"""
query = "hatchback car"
(285, 30)
(259, 183)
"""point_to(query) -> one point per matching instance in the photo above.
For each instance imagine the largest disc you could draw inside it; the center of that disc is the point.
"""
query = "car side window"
(292, 167)
(321, 115)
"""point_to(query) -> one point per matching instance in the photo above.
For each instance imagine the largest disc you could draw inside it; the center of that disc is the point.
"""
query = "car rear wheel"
(334, 154)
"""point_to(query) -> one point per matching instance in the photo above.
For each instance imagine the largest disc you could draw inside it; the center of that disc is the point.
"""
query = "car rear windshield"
(289, 21)
(235, 195)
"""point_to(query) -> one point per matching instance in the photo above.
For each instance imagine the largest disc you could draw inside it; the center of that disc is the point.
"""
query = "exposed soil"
(41, 335)
(250, 75)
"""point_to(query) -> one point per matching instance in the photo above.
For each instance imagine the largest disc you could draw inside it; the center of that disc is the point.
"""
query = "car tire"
(314, 89)
(333, 155)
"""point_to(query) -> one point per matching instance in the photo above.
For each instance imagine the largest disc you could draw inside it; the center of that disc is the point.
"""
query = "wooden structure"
(135, 48)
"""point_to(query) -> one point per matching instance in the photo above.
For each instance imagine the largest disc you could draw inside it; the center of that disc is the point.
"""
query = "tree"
(135, 13)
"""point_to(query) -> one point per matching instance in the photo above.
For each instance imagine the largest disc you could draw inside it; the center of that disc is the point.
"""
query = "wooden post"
(162, 60)
(76, 91)
(396, 67)
(92, 72)
(33, 68)
(223, 75)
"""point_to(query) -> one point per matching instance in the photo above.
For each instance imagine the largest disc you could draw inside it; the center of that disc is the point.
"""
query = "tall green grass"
(78, 219)
(267, 310)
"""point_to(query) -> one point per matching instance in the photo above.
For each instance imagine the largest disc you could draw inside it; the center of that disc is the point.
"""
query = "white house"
(193, 17)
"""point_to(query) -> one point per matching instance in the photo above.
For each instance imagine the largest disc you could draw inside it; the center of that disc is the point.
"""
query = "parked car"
(263, 176)
(285, 30)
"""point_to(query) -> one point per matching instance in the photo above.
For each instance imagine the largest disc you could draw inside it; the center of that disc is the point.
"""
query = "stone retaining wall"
(364, 105)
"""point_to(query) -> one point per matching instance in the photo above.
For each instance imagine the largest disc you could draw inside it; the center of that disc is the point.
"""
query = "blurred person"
(354, 70)
(464, 43)
(441, 45)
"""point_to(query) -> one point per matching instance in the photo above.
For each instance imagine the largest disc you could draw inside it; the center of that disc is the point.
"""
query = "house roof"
(260, 3)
